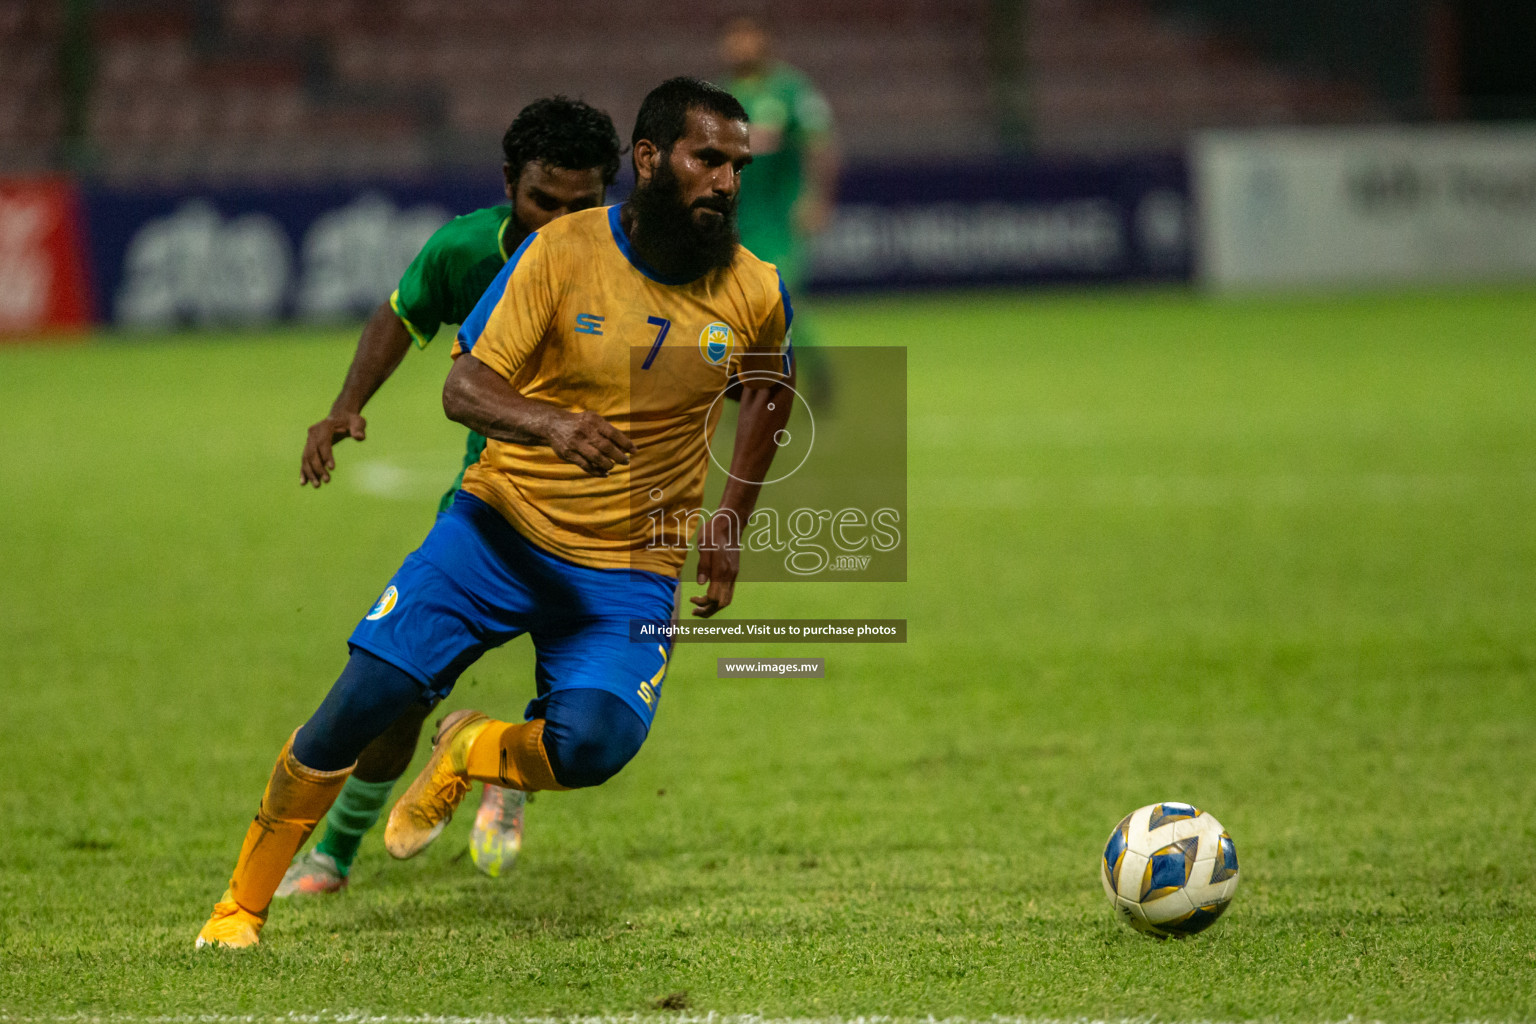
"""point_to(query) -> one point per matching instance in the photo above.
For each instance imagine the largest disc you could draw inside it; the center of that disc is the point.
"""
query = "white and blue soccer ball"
(1169, 869)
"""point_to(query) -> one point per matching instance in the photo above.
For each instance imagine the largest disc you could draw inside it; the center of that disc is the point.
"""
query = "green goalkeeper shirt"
(786, 114)
(443, 283)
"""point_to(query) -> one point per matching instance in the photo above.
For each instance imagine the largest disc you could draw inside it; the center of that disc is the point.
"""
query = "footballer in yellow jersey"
(592, 364)
(574, 316)
(561, 156)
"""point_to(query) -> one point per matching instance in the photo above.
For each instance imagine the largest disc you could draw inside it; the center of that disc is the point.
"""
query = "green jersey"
(452, 271)
(443, 283)
(787, 113)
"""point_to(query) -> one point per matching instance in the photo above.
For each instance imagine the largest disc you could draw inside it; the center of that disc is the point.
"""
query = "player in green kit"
(561, 156)
(787, 193)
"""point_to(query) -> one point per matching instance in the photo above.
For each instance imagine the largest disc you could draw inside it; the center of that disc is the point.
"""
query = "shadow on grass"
(570, 898)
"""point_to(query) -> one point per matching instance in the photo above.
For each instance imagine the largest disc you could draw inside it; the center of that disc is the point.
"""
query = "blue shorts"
(476, 583)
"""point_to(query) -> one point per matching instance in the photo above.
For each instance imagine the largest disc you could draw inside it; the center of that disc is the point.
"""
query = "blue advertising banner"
(1022, 222)
(253, 256)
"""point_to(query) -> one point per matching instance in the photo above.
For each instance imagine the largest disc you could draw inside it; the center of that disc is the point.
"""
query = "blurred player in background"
(787, 193)
(561, 156)
(543, 537)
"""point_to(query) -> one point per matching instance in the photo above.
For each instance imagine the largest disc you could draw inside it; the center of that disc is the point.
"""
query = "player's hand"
(315, 469)
(586, 440)
(719, 563)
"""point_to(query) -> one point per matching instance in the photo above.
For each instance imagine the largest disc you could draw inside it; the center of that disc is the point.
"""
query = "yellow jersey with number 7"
(577, 320)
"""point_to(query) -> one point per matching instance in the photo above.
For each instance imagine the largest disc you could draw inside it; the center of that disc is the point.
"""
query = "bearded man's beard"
(682, 246)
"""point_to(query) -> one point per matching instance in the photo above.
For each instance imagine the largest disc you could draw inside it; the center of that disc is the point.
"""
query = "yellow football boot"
(423, 810)
(231, 926)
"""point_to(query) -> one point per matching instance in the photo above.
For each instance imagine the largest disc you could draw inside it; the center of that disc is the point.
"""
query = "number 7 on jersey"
(662, 325)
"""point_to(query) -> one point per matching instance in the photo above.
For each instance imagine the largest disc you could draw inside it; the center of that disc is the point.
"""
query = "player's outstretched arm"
(764, 412)
(813, 210)
(383, 344)
(481, 399)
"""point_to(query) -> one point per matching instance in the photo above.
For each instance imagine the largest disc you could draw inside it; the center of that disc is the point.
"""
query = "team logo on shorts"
(385, 605)
(715, 342)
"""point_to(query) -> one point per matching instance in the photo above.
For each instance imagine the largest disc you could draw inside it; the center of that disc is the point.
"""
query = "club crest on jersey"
(715, 342)
(385, 605)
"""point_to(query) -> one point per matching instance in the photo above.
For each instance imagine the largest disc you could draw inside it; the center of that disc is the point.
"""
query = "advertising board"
(1009, 223)
(42, 271)
(253, 256)
(1366, 206)
(247, 257)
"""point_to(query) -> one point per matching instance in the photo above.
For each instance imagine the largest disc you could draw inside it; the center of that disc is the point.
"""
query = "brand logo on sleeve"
(385, 604)
(589, 323)
(716, 342)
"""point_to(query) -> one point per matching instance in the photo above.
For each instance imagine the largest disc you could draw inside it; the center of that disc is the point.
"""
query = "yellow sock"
(512, 754)
(295, 800)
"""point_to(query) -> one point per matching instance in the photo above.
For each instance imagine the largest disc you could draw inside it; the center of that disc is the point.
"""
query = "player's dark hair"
(663, 116)
(562, 132)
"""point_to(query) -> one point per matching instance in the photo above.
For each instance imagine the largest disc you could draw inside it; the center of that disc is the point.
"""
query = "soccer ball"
(1169, 869)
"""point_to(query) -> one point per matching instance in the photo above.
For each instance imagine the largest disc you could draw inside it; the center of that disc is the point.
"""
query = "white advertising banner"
(1307, 207)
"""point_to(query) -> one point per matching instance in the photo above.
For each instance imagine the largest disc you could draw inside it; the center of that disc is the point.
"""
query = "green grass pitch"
(1273, 556)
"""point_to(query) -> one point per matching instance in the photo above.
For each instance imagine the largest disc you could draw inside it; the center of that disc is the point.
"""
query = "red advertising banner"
(42, 258)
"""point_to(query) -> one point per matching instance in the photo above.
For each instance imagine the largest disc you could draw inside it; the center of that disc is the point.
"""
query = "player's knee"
(369, 696)
(589, 735)
(388, 756)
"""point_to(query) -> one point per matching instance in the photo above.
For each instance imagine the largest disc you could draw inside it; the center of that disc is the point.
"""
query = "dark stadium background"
(1072, 116)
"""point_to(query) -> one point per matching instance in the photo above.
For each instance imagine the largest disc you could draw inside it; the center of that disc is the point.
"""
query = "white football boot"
(312, 874)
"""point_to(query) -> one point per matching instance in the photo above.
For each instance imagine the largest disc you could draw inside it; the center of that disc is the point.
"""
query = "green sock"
(356, 809)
